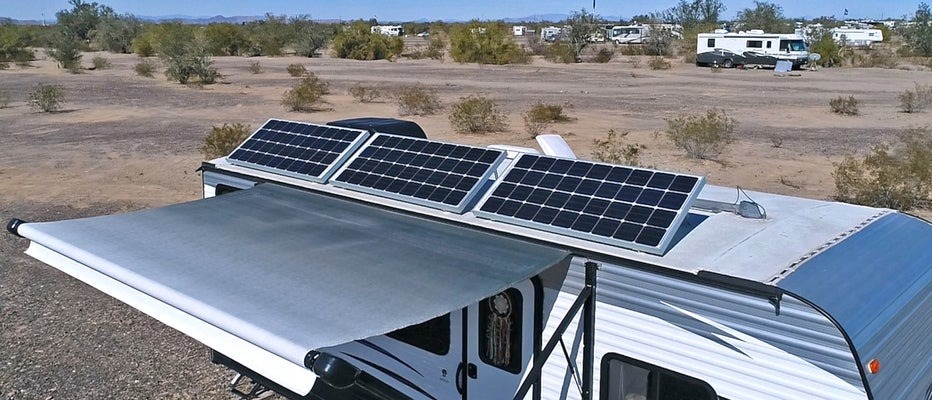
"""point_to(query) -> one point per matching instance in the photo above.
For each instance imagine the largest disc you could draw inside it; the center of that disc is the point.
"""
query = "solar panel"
(628, 207)
(434, 174)
(298, 149)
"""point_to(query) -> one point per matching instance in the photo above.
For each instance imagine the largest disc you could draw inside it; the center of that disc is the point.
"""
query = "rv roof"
(724, 243)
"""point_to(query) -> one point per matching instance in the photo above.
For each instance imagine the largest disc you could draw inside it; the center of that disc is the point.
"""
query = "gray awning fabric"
(291, 271)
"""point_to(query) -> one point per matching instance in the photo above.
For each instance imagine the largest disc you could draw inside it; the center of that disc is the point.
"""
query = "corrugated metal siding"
(752, 355)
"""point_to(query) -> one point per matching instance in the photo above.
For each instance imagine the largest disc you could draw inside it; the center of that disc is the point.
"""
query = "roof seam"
(825, 246)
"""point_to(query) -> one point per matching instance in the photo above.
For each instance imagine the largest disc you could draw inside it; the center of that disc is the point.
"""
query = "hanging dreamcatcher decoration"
(498, 330)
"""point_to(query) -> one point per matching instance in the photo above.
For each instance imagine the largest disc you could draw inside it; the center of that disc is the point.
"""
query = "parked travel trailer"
(388, 30)
(380, 264)
(856, 37)
(551, 33)
(519, 30)
(753, 48)
(630, 34)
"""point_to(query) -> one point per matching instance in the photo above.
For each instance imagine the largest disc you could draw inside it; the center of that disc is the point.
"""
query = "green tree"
(224, 39)
(115, 33)
(13, 44)
(357, 42)
(765, 16)
(484, 43)
(689, 14)
(66, 49)
(82, 18)
(309, 37)
(268, 37)
(918, 35)
(581, 27)
(184, 52)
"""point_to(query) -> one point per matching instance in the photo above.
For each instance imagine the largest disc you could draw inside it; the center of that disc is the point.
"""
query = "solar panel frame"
(299, 147)
(406, 168)
(605, 203)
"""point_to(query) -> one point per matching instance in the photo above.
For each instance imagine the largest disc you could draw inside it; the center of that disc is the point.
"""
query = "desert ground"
(124, 142)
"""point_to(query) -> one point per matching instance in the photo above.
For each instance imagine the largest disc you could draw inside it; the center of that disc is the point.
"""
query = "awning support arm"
(585, 301)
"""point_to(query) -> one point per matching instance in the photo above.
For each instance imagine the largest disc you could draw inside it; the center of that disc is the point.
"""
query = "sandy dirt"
(124, 142)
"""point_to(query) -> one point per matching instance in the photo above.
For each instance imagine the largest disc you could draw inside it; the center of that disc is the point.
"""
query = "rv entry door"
(500, 340)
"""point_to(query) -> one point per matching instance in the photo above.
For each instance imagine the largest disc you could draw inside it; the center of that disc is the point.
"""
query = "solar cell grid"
(302, 150)
(630, 207)
(439, 175)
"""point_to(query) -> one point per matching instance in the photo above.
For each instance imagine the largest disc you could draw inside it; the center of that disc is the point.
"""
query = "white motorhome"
(519, 30)
(857, 37)
(385, 265)
(551, 33)
(751, 48)
(388, 30)
(630, 34)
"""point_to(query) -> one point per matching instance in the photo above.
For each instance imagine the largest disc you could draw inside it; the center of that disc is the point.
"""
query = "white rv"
(519, 30)
(630, 34)
(751, 48)
(849, 36)
(551, 33)
(388, 30)
(385, 265)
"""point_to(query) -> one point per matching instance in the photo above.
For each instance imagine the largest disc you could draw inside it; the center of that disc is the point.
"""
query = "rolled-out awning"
(268, 274)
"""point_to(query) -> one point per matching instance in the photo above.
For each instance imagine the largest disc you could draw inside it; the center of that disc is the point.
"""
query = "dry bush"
(306, 95)
(702, 136)
(532, 126)
(895, 176)
(255, 68)
(604, 55)
(917, 99)
(632, 50)
(477, 114)
(417, 100)
(845, 105)
(560, 52)
(613, 149)
(99, 62)
(658, 63)
(47, 98)
(222, 140)
(145, 68)
(364, 93)
(546, 112)
(296, 70)
(635, 62)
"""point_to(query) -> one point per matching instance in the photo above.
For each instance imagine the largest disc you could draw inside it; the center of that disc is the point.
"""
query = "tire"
(728, 63)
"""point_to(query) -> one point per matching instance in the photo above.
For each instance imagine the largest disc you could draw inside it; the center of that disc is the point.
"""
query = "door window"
(710, 43)
(624, 378)
(500, 325)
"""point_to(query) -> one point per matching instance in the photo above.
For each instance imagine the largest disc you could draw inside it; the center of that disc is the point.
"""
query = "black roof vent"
(385, 125)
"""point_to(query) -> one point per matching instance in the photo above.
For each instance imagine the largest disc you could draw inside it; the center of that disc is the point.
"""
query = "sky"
(410, 10)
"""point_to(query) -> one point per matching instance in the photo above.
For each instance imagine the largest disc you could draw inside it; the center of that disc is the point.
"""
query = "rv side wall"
(734, 342)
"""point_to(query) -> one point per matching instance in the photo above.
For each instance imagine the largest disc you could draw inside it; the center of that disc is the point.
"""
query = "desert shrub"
(547, 112)
(115, 33)
(476, 114)
(66, 50)
(485, 43)
(267, 37)
(357, 42)
(897, 175)
(560, 52)
(221, 140)
(702, 136)
(145, 68)
(660, 43)
(296, 69)
(142, 44)
(613, 149)
(364, 93)
(631, 50)
(225, 39)
(4, 98)
(417, 100)
(47, 98)
(255, 67)
(309, 37)
(14, 44)
(658, 63)
(917, 99)
(436, 46)
(306, 95)
(918, 35)
(604, 55)
(101, 63)
(4, 65)
(533, 126)
(184, 52)
(829, 51)
(845, 105)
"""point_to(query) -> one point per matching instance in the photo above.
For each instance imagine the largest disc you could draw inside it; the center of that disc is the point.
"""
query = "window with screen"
(500, 318)
(432, 335)
(755, 44)
(624, 378)
(711, 43)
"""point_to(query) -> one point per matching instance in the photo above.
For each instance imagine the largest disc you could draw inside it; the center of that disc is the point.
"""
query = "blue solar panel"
(624, 206)
(439, 175)
(298, 149)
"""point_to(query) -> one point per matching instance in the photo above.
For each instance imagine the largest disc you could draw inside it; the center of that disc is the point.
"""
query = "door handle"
(471, 370)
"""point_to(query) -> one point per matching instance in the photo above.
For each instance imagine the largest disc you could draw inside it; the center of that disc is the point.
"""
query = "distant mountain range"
(187, 19)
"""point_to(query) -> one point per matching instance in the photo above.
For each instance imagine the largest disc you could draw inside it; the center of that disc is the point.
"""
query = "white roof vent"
(554, 145)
